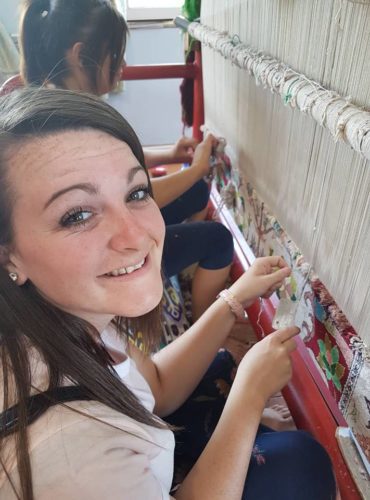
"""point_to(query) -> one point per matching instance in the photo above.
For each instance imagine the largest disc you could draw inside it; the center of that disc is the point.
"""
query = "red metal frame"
(198, 105)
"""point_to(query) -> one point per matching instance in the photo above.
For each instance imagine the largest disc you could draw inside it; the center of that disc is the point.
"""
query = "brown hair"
(26, 318)
(49, 28)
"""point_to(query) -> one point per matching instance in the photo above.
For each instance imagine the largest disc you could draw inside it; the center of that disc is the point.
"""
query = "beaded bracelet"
(236, 307)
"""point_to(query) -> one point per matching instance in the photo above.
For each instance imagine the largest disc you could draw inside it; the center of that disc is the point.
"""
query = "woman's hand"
(183, 150)
(202, 154)
(266, 275)
(188, 150)
(267, 367)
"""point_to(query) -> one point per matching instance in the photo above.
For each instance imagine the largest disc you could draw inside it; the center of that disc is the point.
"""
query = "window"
(142, 10)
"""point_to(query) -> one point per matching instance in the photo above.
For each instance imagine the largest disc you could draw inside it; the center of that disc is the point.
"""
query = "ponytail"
(50, 28)
(34, 30)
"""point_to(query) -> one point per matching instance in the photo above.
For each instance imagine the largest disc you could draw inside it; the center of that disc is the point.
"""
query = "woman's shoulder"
(90, 451)
(79, 419)
(82, 437)
(77, 424)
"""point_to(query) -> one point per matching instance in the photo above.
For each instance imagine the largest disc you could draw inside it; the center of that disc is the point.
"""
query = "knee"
(302, 444)
(220, 244)
(222, 239)
(200, 193)
(310, 464)
(294, 463)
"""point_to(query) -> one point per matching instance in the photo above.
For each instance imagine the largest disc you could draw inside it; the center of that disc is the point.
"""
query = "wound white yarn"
(307, 95)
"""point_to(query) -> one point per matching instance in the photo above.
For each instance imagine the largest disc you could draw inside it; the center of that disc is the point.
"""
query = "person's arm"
(175, 371)
(169, 187)
(181, 152)
(263, 371)
(221, 469)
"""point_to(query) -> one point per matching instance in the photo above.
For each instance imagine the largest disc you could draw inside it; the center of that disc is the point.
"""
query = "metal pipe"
(159, 71)
(181, 22)
(198, 99)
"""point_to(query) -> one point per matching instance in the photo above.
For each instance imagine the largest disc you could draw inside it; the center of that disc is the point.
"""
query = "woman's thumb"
(277, 276)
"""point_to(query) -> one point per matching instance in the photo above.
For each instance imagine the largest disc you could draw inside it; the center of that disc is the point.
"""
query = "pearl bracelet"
(236, 307)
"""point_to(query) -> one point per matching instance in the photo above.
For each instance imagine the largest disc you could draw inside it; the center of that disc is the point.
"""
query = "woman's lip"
(127, 276)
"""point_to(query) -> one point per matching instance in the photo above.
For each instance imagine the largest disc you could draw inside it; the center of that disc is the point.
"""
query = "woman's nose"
(128, 233)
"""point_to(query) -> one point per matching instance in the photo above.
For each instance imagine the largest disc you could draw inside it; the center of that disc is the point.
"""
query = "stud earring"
(13, 276)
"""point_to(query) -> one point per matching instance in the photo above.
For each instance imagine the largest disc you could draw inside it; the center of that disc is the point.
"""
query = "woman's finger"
(274, 279)
(285, 334)
(290, 345)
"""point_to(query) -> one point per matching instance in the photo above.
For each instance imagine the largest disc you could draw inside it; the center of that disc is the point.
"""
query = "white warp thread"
(344, 120)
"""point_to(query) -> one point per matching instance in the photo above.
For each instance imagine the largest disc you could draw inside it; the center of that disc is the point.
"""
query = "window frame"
(151, 13)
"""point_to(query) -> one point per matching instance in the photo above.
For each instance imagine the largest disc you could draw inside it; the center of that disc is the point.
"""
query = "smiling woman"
(80, 254)
(81, 209)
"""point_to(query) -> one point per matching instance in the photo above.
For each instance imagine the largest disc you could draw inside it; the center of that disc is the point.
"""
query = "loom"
(286, 84)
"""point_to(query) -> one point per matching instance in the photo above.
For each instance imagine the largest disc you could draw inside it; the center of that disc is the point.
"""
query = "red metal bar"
(198, 103)
(306, 401)
(159, 71)
(12, 83)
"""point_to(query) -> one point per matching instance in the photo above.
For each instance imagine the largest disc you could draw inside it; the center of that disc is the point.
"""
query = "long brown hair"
(49, 28)
(64, 342)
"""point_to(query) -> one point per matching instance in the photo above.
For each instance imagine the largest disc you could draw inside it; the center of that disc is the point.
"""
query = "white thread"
(305, 179)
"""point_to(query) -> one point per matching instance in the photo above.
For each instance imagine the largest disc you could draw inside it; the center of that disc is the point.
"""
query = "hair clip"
(44, 13)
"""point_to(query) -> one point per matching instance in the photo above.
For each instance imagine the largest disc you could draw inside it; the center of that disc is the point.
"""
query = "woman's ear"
(73, 56)
(78, 78)
(12, 266)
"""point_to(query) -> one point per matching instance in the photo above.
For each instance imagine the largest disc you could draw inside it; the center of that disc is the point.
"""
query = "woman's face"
(104, 84)
(86, 232)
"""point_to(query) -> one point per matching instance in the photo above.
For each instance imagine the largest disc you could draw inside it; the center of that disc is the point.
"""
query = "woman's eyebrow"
(133, 171)
(84, 186)
(90, 188)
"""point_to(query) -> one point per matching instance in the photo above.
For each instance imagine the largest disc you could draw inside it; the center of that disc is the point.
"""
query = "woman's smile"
(129, 273)
(126, 270)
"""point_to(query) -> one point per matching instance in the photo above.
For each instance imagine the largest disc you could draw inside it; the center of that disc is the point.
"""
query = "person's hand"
(202, 154)
(266, 275)
(183, 150)
(267, 367)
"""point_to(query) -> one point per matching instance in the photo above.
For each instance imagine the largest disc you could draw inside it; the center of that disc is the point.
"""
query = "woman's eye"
(139, 194)
(75, 217)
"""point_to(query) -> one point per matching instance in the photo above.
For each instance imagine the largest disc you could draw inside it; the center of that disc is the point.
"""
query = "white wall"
(9, 14)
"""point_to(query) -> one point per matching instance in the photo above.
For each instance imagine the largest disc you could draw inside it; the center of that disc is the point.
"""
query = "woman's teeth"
(126, 270)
